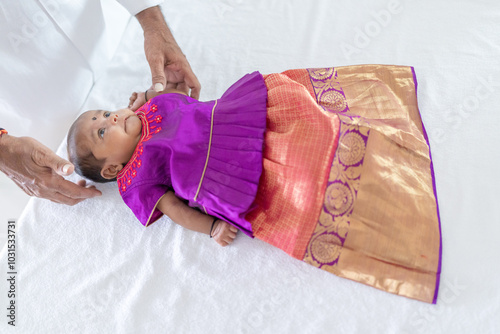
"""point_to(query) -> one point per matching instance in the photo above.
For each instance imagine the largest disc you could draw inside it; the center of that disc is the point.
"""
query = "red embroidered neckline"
(149, 128)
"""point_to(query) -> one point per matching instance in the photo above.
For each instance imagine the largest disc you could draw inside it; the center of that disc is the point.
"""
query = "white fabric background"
(93, 268)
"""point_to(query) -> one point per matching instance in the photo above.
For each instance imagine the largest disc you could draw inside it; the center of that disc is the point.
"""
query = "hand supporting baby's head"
(100, 143)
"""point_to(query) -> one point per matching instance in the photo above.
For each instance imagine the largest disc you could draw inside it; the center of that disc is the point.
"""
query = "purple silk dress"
(208, 153)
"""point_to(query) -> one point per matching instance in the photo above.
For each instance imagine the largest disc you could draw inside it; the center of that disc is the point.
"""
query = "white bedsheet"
(93, 268)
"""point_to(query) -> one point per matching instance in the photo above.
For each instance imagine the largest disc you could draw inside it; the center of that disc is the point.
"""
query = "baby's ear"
(110, 171)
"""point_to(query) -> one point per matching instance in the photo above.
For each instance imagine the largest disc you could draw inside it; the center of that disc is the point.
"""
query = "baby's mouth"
(125, 123)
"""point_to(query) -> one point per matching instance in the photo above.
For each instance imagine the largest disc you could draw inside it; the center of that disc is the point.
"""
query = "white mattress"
(93, 268)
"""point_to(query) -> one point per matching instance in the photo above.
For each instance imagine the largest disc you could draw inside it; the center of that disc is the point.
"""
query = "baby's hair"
(86, 164)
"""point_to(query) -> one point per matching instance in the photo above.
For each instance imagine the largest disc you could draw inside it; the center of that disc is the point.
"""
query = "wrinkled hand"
(224, 233)
(136, 101)
(37, 170)
(169, 66)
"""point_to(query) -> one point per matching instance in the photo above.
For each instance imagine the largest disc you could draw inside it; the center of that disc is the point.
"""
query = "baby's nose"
(114, 118)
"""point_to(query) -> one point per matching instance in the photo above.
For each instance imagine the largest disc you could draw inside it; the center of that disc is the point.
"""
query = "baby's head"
(100, 143)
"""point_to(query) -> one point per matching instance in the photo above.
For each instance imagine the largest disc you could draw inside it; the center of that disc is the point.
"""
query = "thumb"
(62, 166)
(50, 159)
(66, 169)
(158, 75)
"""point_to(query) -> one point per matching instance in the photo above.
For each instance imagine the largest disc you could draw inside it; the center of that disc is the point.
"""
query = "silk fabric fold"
(348, 183)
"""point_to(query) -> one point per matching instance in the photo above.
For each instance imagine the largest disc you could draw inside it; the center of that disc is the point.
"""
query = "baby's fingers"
(132, 97)
(231, 234)
(227, 241)
(229, 237)
(223, 243)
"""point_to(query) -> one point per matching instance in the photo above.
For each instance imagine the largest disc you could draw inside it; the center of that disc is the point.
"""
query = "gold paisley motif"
(333, 100)
(352, 173)
(338, 198)
(321, 73)
(325, 219)
(342, 226)
(326, 248)
(327, 241)
(334, 172)
(351, 148)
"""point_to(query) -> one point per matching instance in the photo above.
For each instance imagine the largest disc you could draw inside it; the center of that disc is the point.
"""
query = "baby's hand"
(136, 101)
(224, 233)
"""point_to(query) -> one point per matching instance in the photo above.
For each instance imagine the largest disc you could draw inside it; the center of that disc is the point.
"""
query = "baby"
(101, 144)
(330, 165)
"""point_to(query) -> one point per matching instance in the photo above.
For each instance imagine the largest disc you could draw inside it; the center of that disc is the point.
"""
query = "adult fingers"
(71, 190)
(51, 191)
(62, 199)
(171, 85)
(194, 85)
(157, 65)
(195, 93)
(59, 190)
(177, 85)
(183, 87)
(44, 157)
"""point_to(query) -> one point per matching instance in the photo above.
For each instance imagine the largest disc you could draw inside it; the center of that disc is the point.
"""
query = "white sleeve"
(136, 6)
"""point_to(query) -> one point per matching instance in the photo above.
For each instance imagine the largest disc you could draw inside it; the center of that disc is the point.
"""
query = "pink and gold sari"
(348, 182)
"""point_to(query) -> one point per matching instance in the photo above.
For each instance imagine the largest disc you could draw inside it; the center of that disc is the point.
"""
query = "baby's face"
(110, 135)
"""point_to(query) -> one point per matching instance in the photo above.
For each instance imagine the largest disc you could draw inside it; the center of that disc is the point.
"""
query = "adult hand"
(37, 170)
(169, 66)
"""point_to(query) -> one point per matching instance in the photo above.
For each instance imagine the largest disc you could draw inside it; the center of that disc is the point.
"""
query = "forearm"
(183, 215)
(4, 151)
(152, 21)
(169, 66)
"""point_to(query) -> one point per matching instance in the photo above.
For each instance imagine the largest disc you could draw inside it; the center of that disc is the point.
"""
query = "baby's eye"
(100, 132)
(107, 113)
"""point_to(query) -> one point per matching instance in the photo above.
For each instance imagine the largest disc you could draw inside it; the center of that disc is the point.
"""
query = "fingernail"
(158, 87)
(66, 168)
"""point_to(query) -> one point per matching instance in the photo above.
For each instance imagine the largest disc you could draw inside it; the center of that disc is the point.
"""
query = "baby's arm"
(223, 233)
(136, 100)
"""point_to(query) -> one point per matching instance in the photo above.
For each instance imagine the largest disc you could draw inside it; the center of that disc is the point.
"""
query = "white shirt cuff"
(136, 6)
